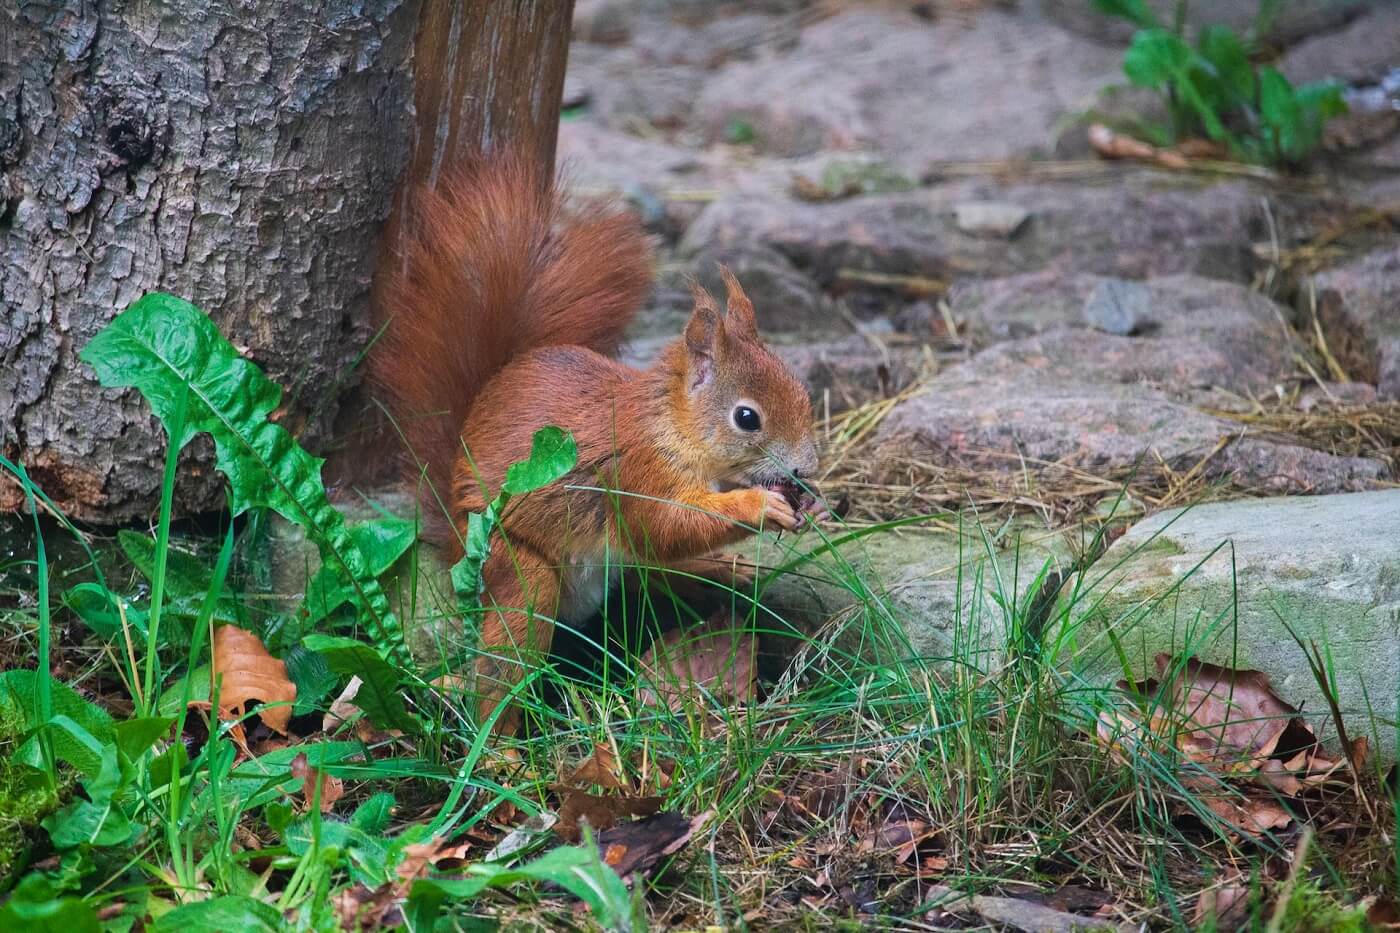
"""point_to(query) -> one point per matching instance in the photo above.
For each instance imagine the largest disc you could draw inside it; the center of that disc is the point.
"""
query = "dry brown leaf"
(636, 847)
(362, 908)
(903, 836)
(601, 768)
(1227, 905)
(1112, 145)
(714, 658)
(1232, 718)
(1252, 816)
(247, 672)
(599, 812)
(331, 788)
(343, 710)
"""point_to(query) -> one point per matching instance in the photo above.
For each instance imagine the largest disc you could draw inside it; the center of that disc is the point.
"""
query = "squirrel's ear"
(702, 336)
(739, 319)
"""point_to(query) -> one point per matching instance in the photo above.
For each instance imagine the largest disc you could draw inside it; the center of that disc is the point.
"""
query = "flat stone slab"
(1358, 304)
(1052, 389)
(1326, 566)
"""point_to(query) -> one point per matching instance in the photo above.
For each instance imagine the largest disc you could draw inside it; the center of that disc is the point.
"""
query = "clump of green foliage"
(1216, 90)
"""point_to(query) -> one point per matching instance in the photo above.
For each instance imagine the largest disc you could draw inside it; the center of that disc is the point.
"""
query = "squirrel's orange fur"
(503, 309)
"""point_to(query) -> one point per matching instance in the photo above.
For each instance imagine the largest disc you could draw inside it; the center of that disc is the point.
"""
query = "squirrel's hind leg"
(521, 589)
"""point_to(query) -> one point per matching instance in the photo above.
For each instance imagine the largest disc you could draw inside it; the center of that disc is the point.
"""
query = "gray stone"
(924, 594)
(1358, 304)
(784, 299)
(1118, 226)
(904, 87)
(1363, 52)
(1067, 394)
(990, 218)
(1326, 566)
(1117, 306)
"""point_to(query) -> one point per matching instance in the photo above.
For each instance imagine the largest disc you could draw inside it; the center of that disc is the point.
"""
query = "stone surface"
(1118, 306)
(1359, 306)
(1118, 226)
(1066, 393)
(1362, 52)
(921, 594)
(990, 218)
(1328, 566)
(864, 79)
(784, 299)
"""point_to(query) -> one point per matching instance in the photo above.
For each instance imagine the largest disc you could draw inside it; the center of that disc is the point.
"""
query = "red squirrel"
(504, 310)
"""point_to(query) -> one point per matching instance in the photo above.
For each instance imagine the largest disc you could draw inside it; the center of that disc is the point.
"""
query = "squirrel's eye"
(746, 419)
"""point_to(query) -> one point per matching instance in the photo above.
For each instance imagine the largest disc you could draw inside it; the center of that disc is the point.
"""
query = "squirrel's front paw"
(777, 510)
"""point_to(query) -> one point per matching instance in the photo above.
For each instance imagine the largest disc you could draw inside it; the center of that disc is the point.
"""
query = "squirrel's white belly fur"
(583, 584)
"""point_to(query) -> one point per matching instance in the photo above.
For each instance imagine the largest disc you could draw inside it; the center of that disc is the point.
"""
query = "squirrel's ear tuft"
(739, 319)
(702, 336)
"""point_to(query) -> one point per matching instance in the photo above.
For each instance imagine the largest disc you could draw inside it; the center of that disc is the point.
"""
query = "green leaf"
(134, 736)
(18, 704)
(373, 815)
(1229, 61)
(1155, 58)
(1281, 113)
(1134, 11)
(37, 905)
(382, 540)
(228, 914)
(379, 695)
(553, 454)
(169, 350)
(97, 606)
(184, 573)
(576, 869)
(313, 678)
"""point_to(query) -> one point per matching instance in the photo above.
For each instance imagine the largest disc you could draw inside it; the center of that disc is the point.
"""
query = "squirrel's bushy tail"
(496, 263)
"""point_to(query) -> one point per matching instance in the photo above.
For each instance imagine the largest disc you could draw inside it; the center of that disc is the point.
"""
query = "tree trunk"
(243, 156)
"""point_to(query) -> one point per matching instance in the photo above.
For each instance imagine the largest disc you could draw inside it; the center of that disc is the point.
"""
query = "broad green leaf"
(98, 606)
(1229, 61)
(313, 678)
(576, 869)
(379, 696)
(382, 540)
(169, 350)
(134, 736)
(1155, 58)
(96, 820)
(374, 814)
(18, 704)
(553, 454)
(228, 914)
(1281, 113)
(37, 904)
(184, 573)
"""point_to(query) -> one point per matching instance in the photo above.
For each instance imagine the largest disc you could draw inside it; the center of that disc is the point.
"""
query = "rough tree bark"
(243, 156)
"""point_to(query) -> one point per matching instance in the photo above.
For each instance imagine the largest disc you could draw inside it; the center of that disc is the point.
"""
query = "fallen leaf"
(419, 856)
(1230, 717)
(599, 812)
(246, 672)
(1227, 906)
(601, 768)
(359, 907)
(331, 788)
(903, 836)
(1252, 816)
(715, 658)
(636, 847)
(343, 710)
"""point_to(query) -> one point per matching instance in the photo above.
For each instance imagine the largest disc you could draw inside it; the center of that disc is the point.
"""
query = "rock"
(901, 86)
(1102, 402)
(1117, 306)
(1116, 227)
(1335, 394)
(1326, 566)
(1293, 20)
(928, 595)
(990, 218)
(1363, 52)
(1358, 305)
(784, 299)
(625, 93)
